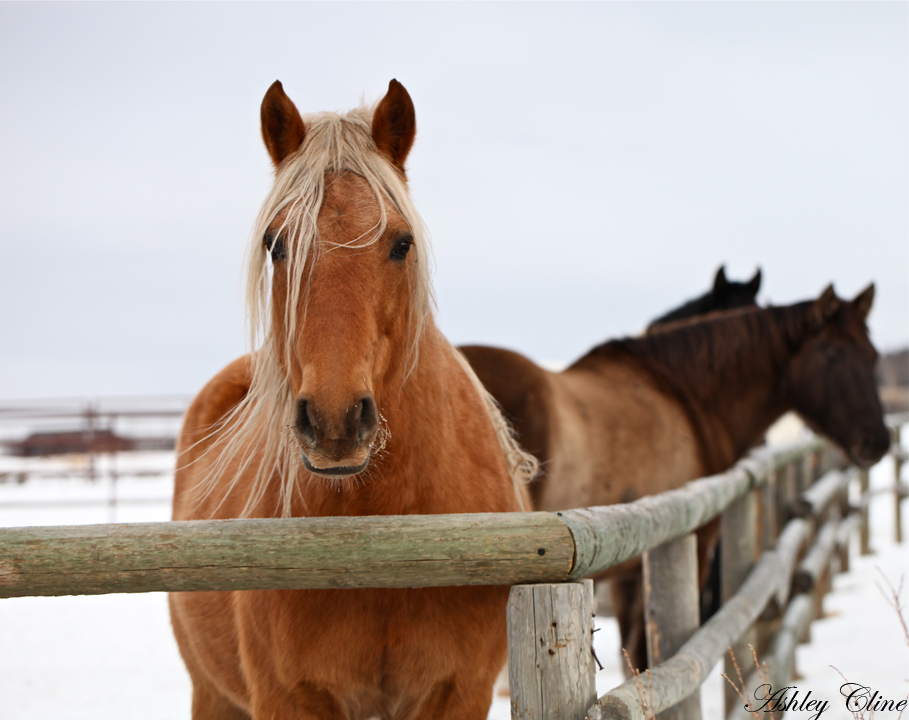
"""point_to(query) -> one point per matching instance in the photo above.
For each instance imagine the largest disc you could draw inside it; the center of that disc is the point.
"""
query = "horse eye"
(401, 248)
(275, 245)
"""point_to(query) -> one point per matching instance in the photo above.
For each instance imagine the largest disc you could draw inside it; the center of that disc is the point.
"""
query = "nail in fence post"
(738, 533)
(671, 609)
(550, 661)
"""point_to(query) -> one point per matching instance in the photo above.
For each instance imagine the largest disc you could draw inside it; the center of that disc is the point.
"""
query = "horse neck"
(727, 374)
(434, 418)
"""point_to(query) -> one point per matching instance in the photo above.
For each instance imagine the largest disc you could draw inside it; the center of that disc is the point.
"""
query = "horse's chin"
(864, 462)
(870, 449)
(334, 472)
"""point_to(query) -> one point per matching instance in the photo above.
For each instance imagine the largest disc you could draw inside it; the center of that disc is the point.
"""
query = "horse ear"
(282, 127)
(864, 300)
(755, 283)
(394, 124)
(826, 306)
(719, 282)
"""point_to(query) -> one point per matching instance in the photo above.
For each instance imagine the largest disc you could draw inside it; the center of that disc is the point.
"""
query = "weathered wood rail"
(769, 502)
(386, 551)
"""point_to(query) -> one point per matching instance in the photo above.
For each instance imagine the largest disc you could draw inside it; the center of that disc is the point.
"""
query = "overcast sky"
(582, 168)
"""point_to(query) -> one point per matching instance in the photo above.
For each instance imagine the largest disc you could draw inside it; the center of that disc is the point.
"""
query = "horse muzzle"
(336, 443)
(870, 448)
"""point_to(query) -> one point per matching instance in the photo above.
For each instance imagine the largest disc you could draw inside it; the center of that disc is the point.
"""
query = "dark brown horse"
(640, 416)
(724, 295)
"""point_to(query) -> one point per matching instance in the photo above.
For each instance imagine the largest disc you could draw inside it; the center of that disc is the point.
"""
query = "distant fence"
(41, 428)
(102, 440)
(785, 514)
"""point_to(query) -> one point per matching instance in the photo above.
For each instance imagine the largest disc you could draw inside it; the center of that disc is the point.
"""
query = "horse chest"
(374, 650)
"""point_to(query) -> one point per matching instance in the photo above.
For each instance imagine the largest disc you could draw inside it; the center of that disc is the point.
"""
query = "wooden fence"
(41, 429)
(785, 513)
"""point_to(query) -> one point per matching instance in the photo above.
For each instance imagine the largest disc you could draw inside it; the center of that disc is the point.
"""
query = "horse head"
(724, 295)
(833, 377)
(727, 295)
(348, 291)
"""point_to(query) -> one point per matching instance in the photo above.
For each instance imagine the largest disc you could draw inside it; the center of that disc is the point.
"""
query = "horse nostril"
(369, 419)
(303, 422)
(339, 431)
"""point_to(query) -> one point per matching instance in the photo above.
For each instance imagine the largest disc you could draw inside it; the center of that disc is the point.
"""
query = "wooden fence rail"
(386, 551)
(769, 501)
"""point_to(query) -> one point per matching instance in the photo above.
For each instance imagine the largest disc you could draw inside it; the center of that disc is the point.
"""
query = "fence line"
(378, 551)
(773, 489)
(114, 502)
(797, 565)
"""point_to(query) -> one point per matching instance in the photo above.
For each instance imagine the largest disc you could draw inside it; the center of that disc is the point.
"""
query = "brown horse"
(724, 295)
(355, 404)
(640, 416)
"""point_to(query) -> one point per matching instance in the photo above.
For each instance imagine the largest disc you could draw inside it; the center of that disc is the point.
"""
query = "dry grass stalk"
(646, 707)
(892, 598)
(860, 714)
(740, 689)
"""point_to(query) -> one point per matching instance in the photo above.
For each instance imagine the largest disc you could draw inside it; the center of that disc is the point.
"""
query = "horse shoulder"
(219, 396)
(200, 425)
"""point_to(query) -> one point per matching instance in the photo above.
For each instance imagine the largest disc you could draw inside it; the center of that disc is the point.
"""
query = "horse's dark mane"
(693, 359)
(713, 348)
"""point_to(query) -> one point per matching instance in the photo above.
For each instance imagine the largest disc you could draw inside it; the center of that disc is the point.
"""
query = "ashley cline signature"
(859, 698)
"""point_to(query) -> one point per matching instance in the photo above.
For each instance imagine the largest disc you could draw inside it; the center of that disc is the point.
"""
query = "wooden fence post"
(844, 531)
(671, 609)
(897, 495)
(815, 463)
(739, 540)
(550, 660)
(769, 531)
(786, 492)
(865, 500)
(770, 528)
(804, 473)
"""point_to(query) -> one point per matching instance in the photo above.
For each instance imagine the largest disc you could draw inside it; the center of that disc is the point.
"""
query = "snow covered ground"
(114, 656)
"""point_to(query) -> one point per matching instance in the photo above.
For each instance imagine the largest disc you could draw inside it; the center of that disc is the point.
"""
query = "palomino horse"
(724, 295)
(355, 404)
(644, 415)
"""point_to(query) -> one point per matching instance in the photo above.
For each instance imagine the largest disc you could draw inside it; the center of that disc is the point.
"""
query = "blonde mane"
(259, 425)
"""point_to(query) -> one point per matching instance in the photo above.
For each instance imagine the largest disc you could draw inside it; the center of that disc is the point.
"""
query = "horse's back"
(603, 431)
(620, 437)
(522, 389)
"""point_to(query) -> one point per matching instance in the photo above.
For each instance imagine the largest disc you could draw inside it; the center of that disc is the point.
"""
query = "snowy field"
(114, 656)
